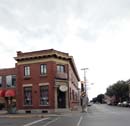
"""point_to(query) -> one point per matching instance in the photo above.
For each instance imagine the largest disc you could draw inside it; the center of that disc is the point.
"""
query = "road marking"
(78, 124)
(29, 124)
(51, 121)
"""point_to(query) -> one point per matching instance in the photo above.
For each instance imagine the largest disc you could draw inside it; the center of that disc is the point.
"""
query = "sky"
(94, 32)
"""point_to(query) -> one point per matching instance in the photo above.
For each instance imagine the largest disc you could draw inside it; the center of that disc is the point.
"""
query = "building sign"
(63, 88)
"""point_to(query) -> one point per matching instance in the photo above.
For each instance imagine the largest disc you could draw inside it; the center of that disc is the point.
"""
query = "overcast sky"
(94, 32)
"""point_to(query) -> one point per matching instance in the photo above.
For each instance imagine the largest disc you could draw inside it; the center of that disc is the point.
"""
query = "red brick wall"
(73, 89)
(35, 79)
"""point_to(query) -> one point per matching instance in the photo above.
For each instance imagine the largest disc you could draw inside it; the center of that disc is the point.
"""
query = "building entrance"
(61, 99)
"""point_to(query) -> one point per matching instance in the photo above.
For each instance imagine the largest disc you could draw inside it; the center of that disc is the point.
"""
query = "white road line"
(51, 121)
(78, 124)
(29, 124)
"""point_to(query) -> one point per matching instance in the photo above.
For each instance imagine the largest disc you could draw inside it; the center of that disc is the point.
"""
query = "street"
(104, 115)
(97, 115)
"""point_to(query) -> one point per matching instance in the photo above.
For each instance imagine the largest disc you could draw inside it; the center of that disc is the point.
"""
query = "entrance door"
(61, 99)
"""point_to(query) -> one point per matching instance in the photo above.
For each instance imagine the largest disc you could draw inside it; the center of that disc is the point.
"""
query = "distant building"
(110, 100)
(45, 80)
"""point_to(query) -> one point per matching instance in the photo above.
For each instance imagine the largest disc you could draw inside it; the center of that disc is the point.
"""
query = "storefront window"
(27, 95)
(44, 100)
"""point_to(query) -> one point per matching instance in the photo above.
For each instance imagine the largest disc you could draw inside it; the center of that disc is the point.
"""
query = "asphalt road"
(104, 115)
(97, 115)
(68, 119)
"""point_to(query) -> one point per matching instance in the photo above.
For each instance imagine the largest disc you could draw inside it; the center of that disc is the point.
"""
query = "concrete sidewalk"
(4, 113)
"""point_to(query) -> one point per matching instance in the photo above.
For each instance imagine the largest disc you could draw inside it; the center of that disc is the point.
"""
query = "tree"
(100, 98)
(110, 91)
(120, 90)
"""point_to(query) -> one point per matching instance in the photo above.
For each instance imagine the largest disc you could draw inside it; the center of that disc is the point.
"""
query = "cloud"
(42, 18)
(94, 32)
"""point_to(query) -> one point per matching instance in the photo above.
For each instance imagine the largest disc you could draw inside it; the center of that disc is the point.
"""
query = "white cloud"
(94, 32)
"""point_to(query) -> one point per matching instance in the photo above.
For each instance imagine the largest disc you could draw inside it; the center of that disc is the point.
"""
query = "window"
(73, 94)
(44, 100)
(43, 69)
(0, 81)
(27, 95)
(27, 71)
(60, 68)
(11, 80)
(70, 93)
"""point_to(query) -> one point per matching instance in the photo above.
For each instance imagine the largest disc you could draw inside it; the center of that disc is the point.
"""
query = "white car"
(125, 104)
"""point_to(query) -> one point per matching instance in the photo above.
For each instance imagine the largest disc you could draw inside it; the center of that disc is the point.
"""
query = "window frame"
(43, 69)
(13, 80)
(27, 71)
(27, 91)
(1, 85)
(60, 68)
(44, 97)
(10, 81)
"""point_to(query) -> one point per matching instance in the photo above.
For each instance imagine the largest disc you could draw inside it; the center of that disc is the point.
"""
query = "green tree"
(110, 91)
(100, 98)
(120, 90)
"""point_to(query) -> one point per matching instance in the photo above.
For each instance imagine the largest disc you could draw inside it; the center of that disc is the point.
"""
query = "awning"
(2, 93)
(10, 93)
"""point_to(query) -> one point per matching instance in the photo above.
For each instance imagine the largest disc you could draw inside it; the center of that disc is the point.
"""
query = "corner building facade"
(46, 80)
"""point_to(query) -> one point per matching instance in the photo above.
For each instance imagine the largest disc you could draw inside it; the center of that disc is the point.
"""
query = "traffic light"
(83, 94)
(82, 86)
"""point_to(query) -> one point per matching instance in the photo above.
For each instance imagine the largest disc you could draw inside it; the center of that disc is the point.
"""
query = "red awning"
(2, 93)
(10, 93)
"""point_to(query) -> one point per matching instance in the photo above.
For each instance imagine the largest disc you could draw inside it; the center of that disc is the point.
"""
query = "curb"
(4, 114)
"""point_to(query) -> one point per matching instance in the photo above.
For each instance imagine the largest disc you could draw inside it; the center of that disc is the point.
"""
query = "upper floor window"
(26, 71)
(0, 81)
(60, 68)
(27, 95)
(43, 69)
(11, 80)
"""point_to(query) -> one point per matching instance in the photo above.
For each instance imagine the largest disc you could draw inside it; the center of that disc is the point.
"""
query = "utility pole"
(85, 80)
(84, 95)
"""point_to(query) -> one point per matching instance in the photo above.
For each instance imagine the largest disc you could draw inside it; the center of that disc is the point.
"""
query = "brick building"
(7, 87)
(46, 80)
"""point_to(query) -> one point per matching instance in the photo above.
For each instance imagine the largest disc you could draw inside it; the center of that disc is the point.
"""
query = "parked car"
(119, 104)
(125, 104)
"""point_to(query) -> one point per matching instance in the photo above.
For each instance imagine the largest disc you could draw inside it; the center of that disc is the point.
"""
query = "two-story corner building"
(47, 80)
(7, 87)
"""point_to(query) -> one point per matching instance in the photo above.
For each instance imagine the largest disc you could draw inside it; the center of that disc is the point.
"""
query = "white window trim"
(27, 85)
(42, 84)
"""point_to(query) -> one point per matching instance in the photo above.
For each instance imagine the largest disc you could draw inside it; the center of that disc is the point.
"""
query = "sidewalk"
(3, 113)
